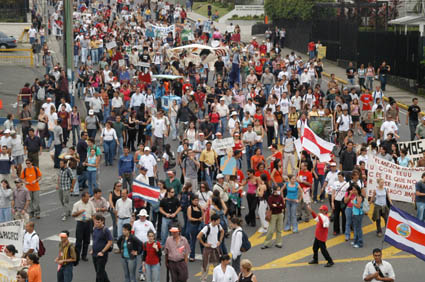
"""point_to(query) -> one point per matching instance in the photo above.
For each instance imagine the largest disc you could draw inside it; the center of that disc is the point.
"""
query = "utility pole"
(68, 46)
(45, 18)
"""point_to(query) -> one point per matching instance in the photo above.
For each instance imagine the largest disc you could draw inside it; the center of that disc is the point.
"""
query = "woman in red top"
(152, 258)
(125, 90)
(261, 169)
(214, 119)
(238, 142)
(259, 116)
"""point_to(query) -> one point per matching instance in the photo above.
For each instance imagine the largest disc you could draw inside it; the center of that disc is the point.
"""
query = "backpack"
(35, 169)
(69, 253)
(41, 248)
(41, 94)
(246, 244)
(205, 236)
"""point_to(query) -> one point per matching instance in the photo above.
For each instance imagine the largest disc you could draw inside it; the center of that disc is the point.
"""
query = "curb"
(343, 81)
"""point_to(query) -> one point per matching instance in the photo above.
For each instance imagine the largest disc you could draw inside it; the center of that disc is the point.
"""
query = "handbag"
(387, 199)
(268, 215)
(41, 126)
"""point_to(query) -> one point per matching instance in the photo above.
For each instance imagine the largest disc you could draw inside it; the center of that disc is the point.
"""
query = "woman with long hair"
(92, 163)
(195, 215)
(251, 197)
(355, 113)
(42, 127)
(269, 121)
(110, 142)
(132, 130)
(357, 215)
(294, 194)
(263, 193)
(114, 195)
(34, 270)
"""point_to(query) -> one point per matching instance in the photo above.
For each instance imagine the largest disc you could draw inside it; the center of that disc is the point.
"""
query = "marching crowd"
(254, 97)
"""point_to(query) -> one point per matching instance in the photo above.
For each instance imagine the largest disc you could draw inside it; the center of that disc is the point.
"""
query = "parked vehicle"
(7, 42)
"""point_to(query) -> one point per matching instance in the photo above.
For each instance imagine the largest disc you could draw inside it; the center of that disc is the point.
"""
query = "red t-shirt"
(277, 155)
(151, 254)
(214, 117)
(367, 102)
(306, 176)
(258, 174)
(321, 232)
(260, 118)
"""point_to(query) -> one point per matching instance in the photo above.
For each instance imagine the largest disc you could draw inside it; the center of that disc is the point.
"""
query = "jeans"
(358, 232)
(173, 127)
(348, 221)
(94, 56)
(129, 268)
(75, 134)
(49, 143)
(153, 272)
(421, 210)
(120, 146)
(351, 81)
(64, 200)
(223, 125)
(65, 273)
(91, 176)
(164, 229)
(192, 232)
(249, 152)
(84, 54)
(99, 266)
(92, 133)
(120, 224)
(321, 180)
(5, 214)
(236, 263)
(282, 130)
(383, 79)
(412, 126)
(291, 216)
(267, 88)
(76, 60)
(114, 226)
(109, 148)
(106, 113)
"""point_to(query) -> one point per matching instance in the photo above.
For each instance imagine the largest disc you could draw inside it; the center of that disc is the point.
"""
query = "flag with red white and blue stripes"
(145, 192)
(406, 232)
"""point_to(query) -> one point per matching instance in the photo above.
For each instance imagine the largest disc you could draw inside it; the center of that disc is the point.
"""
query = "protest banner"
(220, 144)
(415, 149)
(399, 180)
(162, 31)
(9, 267)
(12, 233)
(143, 64)
(322, 126)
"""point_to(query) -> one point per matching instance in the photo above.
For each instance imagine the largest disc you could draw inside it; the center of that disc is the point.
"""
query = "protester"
(381, 200)
(31, 176)
(177, 252)
(34, 270)
(66, 259)
(102, 244)
(224, 272)
(378, 269)
(276, 205)
(130, 246)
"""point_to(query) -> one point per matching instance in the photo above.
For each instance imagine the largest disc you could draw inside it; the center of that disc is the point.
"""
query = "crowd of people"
(255, 97)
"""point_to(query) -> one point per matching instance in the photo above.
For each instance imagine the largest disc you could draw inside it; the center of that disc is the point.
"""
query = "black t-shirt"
(350, 72)
(294, 83)
(219, 65)
(279, 117)
(319, 71)
(145, 58)
(261, 100)
(413, 110)
(367, 125)
(177, 86)
(170, 205)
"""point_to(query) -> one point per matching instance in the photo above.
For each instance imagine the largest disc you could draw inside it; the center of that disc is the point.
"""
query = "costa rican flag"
(145, 192)
(406, 232)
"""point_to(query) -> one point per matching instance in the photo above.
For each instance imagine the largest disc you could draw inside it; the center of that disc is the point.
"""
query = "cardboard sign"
(415, 149)
(111, 45)
(12, 233)
(400, 181)
(220, 144)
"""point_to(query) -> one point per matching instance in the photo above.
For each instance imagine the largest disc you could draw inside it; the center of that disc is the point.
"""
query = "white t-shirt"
(159, 127)
(340, 188)
(212, 238)
(228, 276)
(388, 127)
(30, 242)
(296, 102)
(331, 178)
(148, 161)
(386, 269)
(344, 122)
(141, 229)
(284, 105)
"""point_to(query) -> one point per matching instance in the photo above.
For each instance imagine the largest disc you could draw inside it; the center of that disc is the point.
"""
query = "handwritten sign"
(415, 149)
(221, 144)
(12, 233)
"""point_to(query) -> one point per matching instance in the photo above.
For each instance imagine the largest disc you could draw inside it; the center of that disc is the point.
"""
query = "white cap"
(220, 176)
(6, 131)
(332, 164)
(12, 132)
(234, 113)
(143, 212)
(147, 148)
(91, 112)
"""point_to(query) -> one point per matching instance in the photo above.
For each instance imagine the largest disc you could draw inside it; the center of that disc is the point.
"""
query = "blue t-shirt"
(292, 191)
(100, 239)
(357, 211)
(125, 254)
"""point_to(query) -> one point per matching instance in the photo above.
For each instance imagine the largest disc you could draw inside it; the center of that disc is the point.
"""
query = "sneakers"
(142, 277)
(356, 246)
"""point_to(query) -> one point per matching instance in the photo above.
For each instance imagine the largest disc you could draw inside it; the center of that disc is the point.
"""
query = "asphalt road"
(286, 264)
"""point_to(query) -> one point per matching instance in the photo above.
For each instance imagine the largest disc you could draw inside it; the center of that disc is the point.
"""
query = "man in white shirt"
(223, 110)
(123, 210)
(249, 140)
(250, 107)
(142, 226)
(47, 106)
(344, 123)
(31, 240)
(229, 275)
(389, 126)
(159, 131)
(32, 34)
(378, 269)
(149, 162)
(305, 78)
(211, 236)
(331, 178)
(199, 145)
(136, 100)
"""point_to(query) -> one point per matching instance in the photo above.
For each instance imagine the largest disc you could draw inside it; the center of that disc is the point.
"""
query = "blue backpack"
(246, 244)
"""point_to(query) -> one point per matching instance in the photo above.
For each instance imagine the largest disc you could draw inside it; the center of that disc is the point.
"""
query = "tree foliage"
(293, 9)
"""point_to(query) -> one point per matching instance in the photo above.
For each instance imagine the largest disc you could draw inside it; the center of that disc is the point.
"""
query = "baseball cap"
(6, 131)
(324, 208)
(220, 176)
(147, 149)
(91, 112)
(332, 164)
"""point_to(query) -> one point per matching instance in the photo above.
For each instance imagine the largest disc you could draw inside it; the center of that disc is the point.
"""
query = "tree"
(295, 9)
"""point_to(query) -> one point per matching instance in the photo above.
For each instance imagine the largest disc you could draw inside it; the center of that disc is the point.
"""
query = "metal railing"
(22, 57)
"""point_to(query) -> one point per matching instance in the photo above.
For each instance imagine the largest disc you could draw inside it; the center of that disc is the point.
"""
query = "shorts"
(355, 118)
(18, 160)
